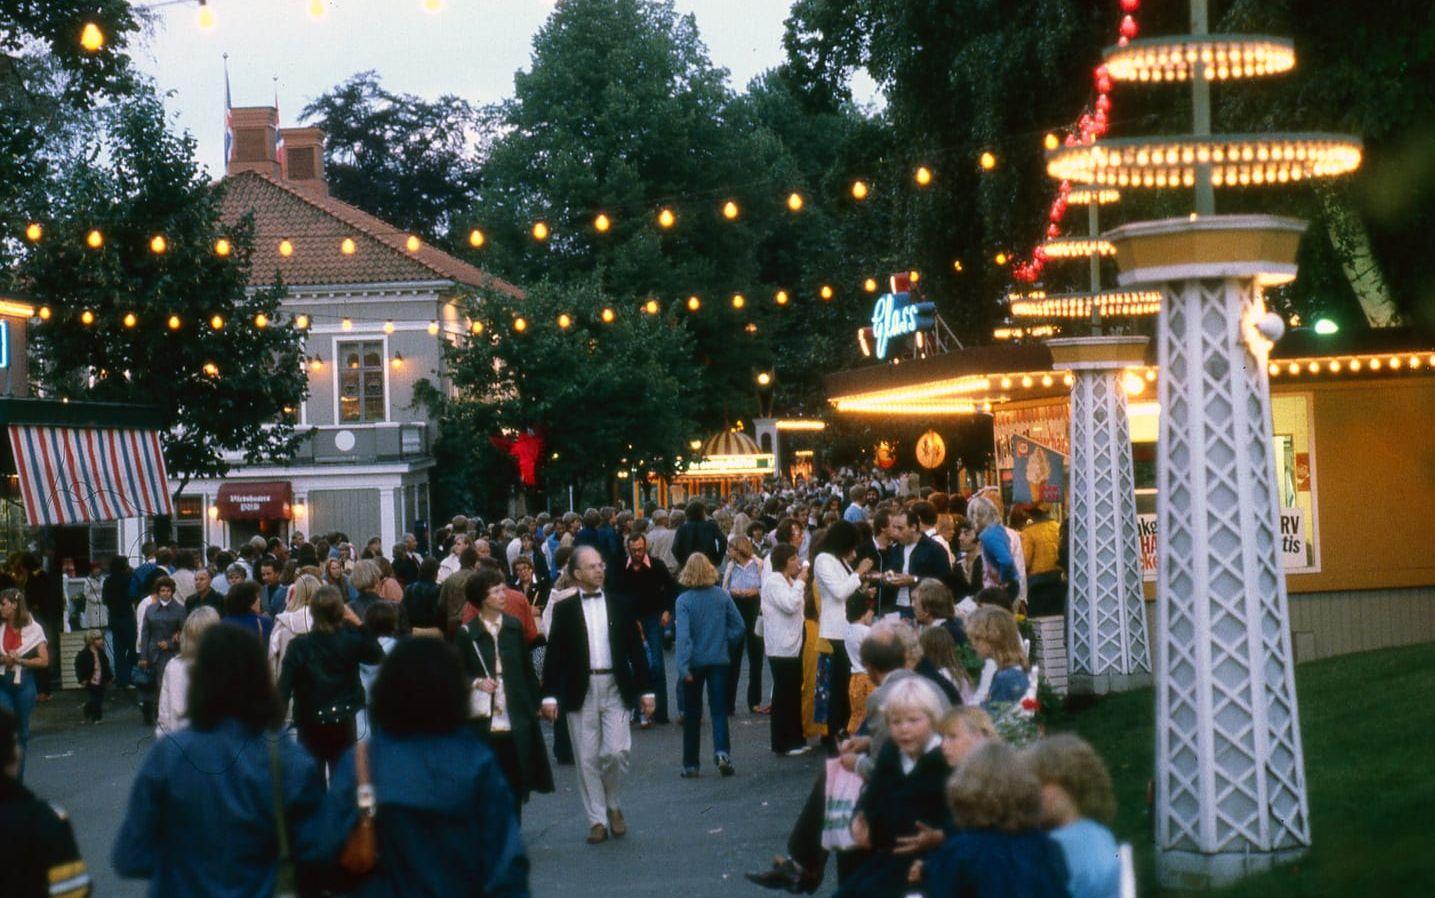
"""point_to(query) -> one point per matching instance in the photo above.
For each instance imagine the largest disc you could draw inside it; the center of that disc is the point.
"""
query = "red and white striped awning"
(76, 475)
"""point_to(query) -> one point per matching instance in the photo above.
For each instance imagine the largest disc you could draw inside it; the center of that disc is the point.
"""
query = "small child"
(1076, 805)
(962, 730)
(92, 670)
(859, 624)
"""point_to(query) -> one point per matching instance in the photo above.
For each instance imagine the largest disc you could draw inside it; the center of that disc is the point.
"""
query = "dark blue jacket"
(929, 559)
(988, 863)
(200, 820)
(446, 824)
(606, 541)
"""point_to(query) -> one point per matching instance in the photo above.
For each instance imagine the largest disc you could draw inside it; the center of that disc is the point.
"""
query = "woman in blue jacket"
(201, 818)
(710, 629)
(445, 821)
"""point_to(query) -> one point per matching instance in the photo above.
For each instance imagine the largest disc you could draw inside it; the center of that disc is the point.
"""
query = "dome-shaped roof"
(730, 442)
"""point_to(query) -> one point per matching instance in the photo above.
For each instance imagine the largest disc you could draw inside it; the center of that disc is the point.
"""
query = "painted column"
(1230, 774)
(388, 517)
(1107, 643)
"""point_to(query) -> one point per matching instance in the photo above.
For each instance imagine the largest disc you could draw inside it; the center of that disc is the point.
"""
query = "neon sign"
(895, 315)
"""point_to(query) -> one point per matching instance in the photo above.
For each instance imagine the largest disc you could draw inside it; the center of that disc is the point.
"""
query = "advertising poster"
(1293, 545)
(1038, 472)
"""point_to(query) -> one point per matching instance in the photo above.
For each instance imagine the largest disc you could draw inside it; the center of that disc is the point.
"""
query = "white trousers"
(601, 744)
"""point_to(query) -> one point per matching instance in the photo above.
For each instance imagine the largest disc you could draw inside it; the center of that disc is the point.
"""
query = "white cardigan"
(782, 616)
(834, 584)
(173, 710)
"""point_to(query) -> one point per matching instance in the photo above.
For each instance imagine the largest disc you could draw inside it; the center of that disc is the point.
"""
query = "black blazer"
(881, 563)
(929, 559)
(85, 667)
(565, 665)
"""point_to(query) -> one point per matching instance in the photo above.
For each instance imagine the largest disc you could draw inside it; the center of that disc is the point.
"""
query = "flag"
(228, 117)
(278, 131)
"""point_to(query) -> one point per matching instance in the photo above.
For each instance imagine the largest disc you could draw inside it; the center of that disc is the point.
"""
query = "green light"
(1325, 327)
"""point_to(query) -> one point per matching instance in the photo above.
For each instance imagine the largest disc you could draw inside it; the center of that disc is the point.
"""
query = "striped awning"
(77, 475)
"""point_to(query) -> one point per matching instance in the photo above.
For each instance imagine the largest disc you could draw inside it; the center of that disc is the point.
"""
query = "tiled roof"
(316, 225)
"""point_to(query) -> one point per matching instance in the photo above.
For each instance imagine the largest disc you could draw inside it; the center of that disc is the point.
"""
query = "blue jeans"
(20, 701)
(715, 676)
(657, 668)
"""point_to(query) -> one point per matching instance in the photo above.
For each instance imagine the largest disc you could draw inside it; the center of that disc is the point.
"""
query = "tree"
(231, 388)
(411, 162)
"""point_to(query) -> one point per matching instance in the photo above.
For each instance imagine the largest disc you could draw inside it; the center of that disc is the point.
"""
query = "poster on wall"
(1146, 533)
(1294, 549)
(1049, 424)
(1038, 472)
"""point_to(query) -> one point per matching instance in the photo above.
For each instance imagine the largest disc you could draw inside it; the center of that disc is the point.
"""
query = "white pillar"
(388, 517)
(1106, 618)
(1230, 773)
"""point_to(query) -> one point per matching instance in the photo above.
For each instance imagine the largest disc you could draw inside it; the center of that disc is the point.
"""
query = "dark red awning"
(255, 501)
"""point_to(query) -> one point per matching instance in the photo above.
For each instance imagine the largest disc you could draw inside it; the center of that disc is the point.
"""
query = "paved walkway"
(691, 838)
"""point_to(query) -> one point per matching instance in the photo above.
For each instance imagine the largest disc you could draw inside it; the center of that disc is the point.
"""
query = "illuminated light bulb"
(1151, 375)
(347, 246)
(433, 328)
(130, 320)
(205, 18)
(211, 369)
(1026, 381)
(413, 243)
(33, 232)
(1046, 380)
(1051, 141)
(750, 328)
(316, 364)
(870, 285)
(396, 362)
(914, 276)
(91, 37)
(957, 265)
(825, 292)
(601, 223)
(1394, 363)
(738, 300)
(795, 202)
(565, 321)
(730, 210)
(988, 161)
(388, 327)
(1273, 368)
(317, 10)
(520, 324)
(608, 315)
(1293, 368)
(1312, 367)
(475, 238)
(764, 379)
(782, 298)
(45, 313)
(157, 244)
(1006, 383)
(651, 307)
(923, 176)
(301, 322)
(666, 218)
(87, 317)
(1133, 383)
(1414, 361)
(859, 190)
(540, 231)
(222, 247)
(347, 324)
(1334, 366)
(476, 328)
(1068, 379)
(433, 6)
(261, 321)
(94, 240)
(286, 249)
(1000, 258)
(1375, 364)
(1355, 365)
(694, 303)
(217, 322)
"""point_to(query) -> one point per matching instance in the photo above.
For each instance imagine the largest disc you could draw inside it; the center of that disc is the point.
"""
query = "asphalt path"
(691, 838)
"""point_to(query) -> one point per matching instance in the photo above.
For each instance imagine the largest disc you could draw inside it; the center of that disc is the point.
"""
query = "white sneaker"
(799, 752)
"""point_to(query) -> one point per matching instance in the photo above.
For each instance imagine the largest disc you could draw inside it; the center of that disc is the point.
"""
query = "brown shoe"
(598, 834)
(617, 824)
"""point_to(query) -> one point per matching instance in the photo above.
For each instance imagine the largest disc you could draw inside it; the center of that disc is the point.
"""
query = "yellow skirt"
(858, 688)
(810, 650)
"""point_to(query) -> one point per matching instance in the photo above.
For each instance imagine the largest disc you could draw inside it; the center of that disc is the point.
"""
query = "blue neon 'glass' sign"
(895, 315)
(4, 344)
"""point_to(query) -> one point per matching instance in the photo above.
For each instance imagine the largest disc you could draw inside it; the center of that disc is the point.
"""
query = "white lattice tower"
(1230, 777)
(1107, 644)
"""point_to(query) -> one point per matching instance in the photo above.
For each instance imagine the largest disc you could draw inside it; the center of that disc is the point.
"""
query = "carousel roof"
(731, 442)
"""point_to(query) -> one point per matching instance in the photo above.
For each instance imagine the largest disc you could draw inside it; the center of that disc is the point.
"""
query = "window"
(361, 382)
(189, 523)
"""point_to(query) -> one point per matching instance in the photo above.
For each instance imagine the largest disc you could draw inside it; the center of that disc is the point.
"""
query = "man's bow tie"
(592, 595)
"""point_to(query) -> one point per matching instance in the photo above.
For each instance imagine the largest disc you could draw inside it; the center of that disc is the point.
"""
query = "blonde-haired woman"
(709, 630)
(173, 711)
(1005, 669)
(294, 620)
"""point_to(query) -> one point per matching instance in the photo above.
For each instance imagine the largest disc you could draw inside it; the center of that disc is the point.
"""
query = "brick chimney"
(255, 131)
(304, 159)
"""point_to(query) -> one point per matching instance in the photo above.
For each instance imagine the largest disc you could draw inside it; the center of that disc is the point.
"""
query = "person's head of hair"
(994, 788)
(660, 516)
(1070, 763)
(940, 648)
(939, 501)
(271, 563)
(302, 592)
(308, 555)
(781, 554)
(230, 680)
(147, 548)
(637, 537)
(970, 718)
(184, 559)
(698, 572)
(15, 597)
(881, 519)
(925, 513)
(199, 620)
(994, 634)
(857, 493)
(740, 543)
(522, 562)
(162, 582)
(164, 556)
(468, 558)
(421, 689)
(119, 566)
(883, 650)
(1036, 512)
(839, 540)
(996, 596)
(915, 694)
(428, 570)
(591, 519)
(365, 576)
(241, 598)
(477, 587)
(982, 512)
(857, 606)
(696, 510)
(933, 597)
(382, 618)
(327, 608)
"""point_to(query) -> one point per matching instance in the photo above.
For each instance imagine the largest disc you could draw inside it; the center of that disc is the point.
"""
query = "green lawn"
(1369, 726)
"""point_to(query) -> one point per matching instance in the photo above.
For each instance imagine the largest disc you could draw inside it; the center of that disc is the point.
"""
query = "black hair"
(477, 587)
(382, 618)
(468, 557)
(696, 510)
(308, 555)
(240, 598)
(994, 595)
(781, 554)
(421, 688)
(857, 605)
(925, 512)
(231, 680)
(882, 655)
(119, 566)
(840, 539)
(428, 571)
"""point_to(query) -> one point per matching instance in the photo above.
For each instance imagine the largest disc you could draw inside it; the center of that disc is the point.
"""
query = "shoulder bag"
(361, 849)
(480, 703)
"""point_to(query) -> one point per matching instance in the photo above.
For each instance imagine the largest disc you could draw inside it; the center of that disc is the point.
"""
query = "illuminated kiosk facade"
(730, 462)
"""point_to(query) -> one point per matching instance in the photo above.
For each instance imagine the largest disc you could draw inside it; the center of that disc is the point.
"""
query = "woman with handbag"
(506, 693)
(421, 808)
(229, 779)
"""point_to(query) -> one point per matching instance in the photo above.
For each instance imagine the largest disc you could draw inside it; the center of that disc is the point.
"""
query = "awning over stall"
(78, 475)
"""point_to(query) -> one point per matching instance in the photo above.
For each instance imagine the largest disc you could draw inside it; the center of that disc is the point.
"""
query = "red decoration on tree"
(1130, 5)
(1103, 103)
(1053, 230)
(526, 449)
(1128, 27)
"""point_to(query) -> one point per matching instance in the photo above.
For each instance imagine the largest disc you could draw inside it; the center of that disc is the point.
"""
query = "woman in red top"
(23, 651)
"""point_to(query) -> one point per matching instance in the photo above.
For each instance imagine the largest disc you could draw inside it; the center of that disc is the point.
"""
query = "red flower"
(1030, 704)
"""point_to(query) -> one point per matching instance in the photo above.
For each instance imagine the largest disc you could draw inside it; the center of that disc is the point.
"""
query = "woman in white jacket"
(782, 599)
(173, 711)
(836, 579)
(294, 620)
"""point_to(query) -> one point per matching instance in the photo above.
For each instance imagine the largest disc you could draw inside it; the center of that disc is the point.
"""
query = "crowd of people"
(886, 619)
